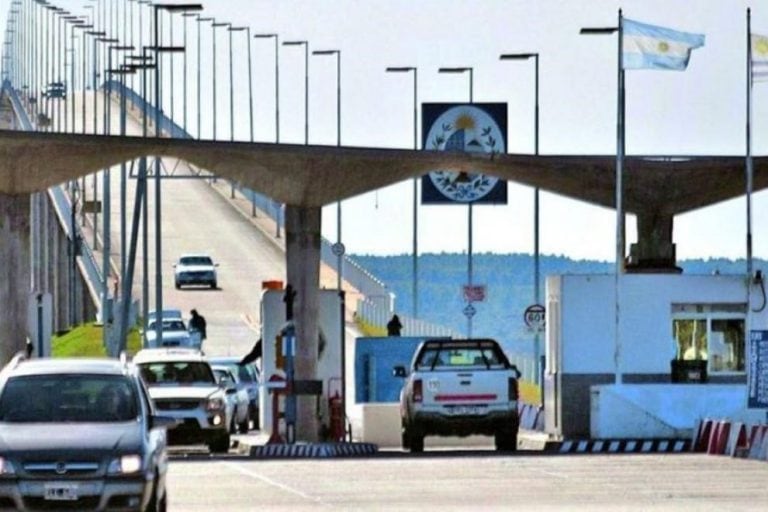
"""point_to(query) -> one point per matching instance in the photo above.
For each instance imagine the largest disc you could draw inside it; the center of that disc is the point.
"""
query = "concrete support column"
(302, 247)
(15, 261)
(61, 290)
(654, 250)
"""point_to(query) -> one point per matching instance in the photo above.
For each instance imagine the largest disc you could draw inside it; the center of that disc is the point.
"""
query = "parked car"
(174, 331)
(459, 388)
(182, 385)
(80, 434)
(195, 269)
(237, 400)
(247, 377)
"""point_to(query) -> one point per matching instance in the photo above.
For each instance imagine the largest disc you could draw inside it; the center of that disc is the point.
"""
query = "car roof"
(152, 355)
(195, 255)
(224, 359)
(167, 313)
(49, 366)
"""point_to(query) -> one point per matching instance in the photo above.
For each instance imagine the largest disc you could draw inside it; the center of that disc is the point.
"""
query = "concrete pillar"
(61, 290)
(654, 251)
(15, 261)
(302, 247)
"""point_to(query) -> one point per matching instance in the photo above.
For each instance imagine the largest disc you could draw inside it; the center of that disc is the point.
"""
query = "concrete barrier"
(714, 434)
(701, 440)
(737, 444)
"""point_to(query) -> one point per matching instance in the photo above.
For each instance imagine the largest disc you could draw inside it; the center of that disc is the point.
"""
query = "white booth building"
(680, 353)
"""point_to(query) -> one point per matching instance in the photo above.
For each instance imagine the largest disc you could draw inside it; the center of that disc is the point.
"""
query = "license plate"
(464, 410)
(61, 492)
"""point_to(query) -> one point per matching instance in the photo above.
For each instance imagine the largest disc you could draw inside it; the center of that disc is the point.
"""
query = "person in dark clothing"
(197, 323)
(290, 295)
(253, 355)
(394, 326)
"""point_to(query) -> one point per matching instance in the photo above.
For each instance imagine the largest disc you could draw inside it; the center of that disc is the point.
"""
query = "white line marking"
(268, 480)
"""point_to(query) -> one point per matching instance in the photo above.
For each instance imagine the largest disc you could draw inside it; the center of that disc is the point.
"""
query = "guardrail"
(63, 207)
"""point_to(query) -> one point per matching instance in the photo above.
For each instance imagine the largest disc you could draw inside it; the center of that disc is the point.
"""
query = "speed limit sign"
(534, 317)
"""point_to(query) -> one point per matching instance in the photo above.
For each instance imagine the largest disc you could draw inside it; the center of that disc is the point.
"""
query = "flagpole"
(619, 206)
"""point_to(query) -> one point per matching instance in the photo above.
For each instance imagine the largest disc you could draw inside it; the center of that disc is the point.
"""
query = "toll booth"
(273, 351)
(682, 351)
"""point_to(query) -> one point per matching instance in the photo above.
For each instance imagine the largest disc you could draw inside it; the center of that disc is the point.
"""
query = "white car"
(174, 331)
(195, 269)
(237, 400)
(182, 385)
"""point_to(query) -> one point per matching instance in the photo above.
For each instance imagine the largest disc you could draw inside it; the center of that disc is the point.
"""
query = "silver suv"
(183, 386)
(79, 434)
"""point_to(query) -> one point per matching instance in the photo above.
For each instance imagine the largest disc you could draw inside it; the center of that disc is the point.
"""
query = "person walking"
(197, 323)
(394, 326)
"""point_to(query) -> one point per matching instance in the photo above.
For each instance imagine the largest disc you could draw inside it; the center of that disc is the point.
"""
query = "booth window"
(719, 341)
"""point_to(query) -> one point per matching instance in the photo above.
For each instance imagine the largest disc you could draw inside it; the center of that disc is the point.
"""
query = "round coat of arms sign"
(470, 129)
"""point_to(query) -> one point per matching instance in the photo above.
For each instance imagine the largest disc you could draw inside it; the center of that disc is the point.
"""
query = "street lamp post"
(339, 246)
(277, 84)
(199, 126)
(305, 44)
(215, 25)
(619, 184)
(536, 252)
(415, 263)
(469, 312)
(158, 133)
(277, 113)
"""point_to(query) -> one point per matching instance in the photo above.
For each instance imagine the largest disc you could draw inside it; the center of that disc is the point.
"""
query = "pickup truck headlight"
(125, 465)
(6, 468)
(214, 404)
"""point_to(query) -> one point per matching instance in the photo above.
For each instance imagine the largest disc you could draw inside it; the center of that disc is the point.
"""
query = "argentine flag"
(650, 47)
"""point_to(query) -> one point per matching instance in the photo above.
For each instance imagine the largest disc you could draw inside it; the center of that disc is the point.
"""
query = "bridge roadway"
(199, 216)
(472, 481)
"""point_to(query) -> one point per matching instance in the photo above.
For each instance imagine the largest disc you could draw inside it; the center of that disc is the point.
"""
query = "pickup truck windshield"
(437, 358)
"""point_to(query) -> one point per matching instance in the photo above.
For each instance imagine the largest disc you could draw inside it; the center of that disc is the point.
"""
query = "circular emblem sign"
(470, 129)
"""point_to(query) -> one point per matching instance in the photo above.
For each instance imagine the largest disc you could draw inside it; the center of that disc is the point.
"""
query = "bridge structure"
(302, 177)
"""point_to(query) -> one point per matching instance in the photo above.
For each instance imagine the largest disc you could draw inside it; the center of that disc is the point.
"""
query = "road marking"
(279, 485)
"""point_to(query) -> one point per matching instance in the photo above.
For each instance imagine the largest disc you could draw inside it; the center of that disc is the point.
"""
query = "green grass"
(86, 341)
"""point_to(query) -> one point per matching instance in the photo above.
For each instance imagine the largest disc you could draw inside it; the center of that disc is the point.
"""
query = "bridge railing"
(63, 207)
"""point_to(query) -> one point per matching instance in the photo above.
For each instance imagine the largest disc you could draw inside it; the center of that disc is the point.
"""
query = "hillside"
(509, 280)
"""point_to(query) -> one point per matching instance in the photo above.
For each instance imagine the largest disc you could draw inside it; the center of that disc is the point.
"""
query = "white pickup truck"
(459, 388)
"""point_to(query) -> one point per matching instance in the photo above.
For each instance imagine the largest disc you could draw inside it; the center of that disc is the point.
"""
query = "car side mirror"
(398, 371)
(162, 422)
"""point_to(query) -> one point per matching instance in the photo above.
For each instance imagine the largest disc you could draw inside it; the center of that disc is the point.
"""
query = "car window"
(173, 325)
(470, 357)
(58, 398)
(196, 260)
(177, 372)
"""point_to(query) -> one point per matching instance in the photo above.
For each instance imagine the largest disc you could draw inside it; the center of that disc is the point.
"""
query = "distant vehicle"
(459, 388)
(195, 269)
(247, 377)
(183, 386)
(237, 400)
(175, 331)
(80, 434)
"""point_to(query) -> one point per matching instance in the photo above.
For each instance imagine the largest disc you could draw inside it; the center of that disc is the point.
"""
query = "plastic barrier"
(722, 437)
(714, 433)
(700, 442)
(757, 436)
(737, 444)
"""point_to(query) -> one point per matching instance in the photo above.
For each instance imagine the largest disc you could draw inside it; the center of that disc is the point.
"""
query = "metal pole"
(158, 196)
(469, 220)
(415, 200)
(619, 205)
(277, 104)
(250, 79)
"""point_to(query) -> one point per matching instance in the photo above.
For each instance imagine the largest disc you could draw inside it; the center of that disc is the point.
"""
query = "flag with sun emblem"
(759, 57)
(474, 128)
(650, 47)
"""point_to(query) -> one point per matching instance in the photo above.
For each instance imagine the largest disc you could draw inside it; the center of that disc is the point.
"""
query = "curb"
(313, 450)
(620, 446)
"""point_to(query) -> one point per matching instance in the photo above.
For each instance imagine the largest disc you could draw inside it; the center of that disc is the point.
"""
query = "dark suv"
(79, 434)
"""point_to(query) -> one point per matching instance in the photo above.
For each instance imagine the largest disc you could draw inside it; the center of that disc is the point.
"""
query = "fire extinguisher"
(336, 421)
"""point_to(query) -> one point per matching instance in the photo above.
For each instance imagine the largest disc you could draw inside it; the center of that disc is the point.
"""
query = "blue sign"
(472, 128)
(757, 376)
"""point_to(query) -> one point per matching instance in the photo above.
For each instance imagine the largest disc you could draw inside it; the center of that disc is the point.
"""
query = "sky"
(697, 111)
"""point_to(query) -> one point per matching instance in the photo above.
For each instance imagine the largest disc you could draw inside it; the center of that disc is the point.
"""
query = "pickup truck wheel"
(417, 442)
(405, 440)
(220, 443)
(506, 441)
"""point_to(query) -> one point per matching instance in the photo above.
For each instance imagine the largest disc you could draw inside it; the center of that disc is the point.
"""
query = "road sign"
(534, 317)
(469, 311)
(474, 292)
(338, 249)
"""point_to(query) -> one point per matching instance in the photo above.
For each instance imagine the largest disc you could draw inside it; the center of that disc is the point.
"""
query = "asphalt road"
(472, 481)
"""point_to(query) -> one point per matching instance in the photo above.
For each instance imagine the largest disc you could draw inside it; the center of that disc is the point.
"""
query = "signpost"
(758, 370)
